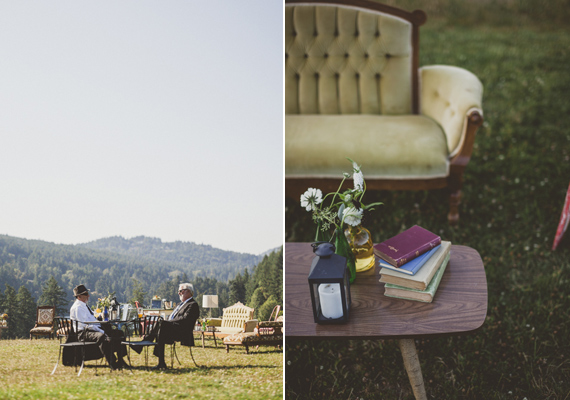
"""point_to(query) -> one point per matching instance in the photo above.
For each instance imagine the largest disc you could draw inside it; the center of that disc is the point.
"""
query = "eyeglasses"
(182, 291)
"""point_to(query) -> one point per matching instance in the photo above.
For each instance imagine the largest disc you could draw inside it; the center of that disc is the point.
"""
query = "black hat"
(80, 289)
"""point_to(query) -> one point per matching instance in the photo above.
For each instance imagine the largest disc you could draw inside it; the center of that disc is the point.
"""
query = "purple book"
(407, 245)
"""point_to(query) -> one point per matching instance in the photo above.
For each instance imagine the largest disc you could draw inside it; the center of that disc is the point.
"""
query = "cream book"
(418, 295)
(423, 277)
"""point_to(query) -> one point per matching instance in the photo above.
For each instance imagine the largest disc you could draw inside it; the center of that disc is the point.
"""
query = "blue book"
(411, 267)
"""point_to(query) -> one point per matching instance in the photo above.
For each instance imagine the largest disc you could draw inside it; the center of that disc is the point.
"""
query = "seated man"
(179, 326)
(109, 340)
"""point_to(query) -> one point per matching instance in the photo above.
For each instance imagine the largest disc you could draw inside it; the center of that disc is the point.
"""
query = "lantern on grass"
(329, 284)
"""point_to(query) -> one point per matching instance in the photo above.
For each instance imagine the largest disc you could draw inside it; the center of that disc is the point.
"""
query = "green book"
(425, 296)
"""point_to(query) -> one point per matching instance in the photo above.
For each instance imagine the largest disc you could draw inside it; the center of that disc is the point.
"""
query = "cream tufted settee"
(353, 88)
(235, 319)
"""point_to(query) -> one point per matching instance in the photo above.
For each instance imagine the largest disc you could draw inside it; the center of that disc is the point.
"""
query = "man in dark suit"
(179, 326)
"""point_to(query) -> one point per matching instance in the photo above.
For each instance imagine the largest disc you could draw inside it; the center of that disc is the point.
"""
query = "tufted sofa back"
(236, 315)
(345, 59)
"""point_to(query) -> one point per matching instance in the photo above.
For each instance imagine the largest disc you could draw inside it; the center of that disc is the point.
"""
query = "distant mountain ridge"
(110, 264)
(181, 254)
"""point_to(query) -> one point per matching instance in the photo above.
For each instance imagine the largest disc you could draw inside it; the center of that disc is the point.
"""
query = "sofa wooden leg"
(413, 368)
(227, 348)
(454, 201)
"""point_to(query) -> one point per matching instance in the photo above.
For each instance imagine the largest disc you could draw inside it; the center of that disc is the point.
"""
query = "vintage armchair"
(45, 316)
(354, 88)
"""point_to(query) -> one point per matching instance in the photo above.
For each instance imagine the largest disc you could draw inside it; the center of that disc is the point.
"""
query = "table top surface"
(459, 305)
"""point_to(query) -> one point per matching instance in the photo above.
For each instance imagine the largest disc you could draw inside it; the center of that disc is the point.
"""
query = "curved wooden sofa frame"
(294, 187)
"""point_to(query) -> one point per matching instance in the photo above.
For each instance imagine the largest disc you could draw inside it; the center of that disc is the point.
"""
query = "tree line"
(262, 289)
(112, 264)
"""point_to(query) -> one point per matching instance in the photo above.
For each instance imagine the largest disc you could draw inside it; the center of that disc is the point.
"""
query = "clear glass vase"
(360, 242)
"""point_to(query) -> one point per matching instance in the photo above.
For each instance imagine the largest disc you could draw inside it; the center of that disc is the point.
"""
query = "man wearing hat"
(109, 340)
(179, 326)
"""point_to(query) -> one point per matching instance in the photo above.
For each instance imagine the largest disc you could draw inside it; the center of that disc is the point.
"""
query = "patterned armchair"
(44, 322)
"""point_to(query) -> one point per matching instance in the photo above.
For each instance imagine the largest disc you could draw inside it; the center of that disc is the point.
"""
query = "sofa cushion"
(42, 330)
(398, 147)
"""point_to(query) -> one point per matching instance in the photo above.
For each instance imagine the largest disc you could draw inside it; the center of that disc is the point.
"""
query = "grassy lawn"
(26, 365)
(513, 195)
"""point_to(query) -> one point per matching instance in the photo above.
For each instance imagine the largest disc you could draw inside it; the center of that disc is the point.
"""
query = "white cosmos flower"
(358, 177)
(352, 216)
(311, 198)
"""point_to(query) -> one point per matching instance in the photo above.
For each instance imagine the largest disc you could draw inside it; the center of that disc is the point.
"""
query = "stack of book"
(412, 264)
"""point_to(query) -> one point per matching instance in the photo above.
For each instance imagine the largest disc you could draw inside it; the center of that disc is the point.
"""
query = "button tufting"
(326, 55)
(377, 75)
(306, 55)
(365, 55)
(345, 55)
(316, 75)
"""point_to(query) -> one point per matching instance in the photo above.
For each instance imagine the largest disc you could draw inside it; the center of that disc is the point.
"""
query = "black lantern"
(329, 284)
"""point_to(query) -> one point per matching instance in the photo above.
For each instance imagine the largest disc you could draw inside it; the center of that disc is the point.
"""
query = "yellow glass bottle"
(360, 242)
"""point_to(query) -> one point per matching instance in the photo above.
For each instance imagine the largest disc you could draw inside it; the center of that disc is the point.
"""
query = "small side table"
(459, 307)
(209, 333)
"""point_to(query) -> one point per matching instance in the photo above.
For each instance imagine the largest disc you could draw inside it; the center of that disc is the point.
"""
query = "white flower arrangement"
(346, 207)
(311, 198)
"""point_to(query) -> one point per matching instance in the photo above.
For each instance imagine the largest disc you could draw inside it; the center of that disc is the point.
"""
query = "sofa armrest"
(250, 325)
(452, 96)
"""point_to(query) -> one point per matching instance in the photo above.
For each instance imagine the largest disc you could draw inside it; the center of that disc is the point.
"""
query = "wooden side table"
(459, 306)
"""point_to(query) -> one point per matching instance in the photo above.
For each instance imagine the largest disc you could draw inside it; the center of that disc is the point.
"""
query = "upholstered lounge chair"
(354, 88)
(266, 333)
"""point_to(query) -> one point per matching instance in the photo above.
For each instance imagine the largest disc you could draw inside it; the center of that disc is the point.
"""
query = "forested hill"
(110, 265)
(190, 257)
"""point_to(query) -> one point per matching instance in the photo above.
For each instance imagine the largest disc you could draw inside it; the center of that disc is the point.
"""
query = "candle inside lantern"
(330, 299)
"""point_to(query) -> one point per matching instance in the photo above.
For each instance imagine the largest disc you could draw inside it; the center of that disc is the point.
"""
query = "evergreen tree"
(264, 312)
(237, 289)
(10, 308)
(138, 292)
(27, 312)
(54, 295)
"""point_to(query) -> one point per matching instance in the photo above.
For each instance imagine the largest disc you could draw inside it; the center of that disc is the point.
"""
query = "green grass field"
(25, 368)
(513, 195)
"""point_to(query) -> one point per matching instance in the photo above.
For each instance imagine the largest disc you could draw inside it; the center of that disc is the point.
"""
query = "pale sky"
(139, 117)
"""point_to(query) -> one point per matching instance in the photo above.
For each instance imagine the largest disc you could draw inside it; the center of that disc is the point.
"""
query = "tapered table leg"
(413, 368)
